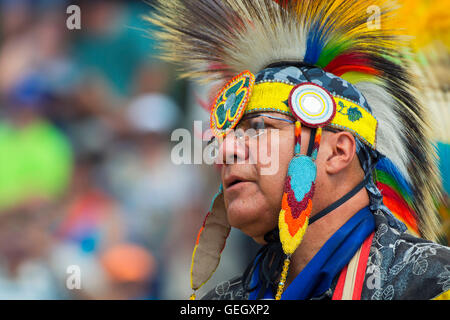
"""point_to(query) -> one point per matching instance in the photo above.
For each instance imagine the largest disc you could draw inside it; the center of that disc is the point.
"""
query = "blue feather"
(386, 165)
(314, 43)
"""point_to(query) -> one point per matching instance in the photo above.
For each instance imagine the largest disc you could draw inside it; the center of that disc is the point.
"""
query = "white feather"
(261, 46)
(390, 129)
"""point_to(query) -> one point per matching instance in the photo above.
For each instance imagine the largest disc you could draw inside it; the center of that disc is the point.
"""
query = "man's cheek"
(269, 154)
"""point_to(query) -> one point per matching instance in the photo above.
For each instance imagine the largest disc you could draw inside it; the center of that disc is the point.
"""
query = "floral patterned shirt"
(400, 267)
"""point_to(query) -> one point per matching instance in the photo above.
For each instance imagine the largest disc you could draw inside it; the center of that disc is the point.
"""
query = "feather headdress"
(354, 40)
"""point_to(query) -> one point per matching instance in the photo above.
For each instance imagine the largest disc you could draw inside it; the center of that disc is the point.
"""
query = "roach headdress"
(327, 64)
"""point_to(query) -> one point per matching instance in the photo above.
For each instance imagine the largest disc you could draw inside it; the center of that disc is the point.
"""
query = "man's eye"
(257, 124)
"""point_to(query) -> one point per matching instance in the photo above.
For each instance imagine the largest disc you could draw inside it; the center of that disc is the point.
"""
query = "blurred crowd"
(87, 188)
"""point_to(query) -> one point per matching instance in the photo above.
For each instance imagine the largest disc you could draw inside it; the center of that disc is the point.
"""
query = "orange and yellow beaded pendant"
(230, 103)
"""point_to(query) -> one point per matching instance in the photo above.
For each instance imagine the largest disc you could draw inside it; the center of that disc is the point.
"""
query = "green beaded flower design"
(230, 104)
(353, 114)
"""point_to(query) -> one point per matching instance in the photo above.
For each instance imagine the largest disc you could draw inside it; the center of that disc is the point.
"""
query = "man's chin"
(257, 235)
(253, 224)
(241, 213)
(259, 240)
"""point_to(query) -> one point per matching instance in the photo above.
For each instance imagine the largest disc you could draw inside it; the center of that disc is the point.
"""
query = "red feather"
(356, 62)
(398, 206)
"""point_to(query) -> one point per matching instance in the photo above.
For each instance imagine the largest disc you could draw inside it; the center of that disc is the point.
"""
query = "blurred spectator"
(130, 269)
(25, 244)
(36, 157)
(109, 48)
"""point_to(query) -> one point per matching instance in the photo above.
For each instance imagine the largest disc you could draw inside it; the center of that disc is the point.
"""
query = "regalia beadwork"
(231, 102)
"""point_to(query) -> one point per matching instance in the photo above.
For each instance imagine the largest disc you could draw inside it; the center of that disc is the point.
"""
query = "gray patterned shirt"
(400, 267)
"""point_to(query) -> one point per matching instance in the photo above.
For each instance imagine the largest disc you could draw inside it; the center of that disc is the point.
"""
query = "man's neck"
(318, 233)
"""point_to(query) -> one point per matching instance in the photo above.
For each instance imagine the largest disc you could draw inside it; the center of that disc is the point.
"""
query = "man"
(346, 212)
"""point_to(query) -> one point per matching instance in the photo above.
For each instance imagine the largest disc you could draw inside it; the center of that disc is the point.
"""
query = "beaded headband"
(277, 96)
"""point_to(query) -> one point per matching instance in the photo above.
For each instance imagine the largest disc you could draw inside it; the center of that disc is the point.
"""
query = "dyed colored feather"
(386, 166)
(351, 62)
(398, 206)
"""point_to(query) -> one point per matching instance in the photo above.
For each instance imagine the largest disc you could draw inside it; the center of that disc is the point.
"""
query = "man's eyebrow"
(331, 129)
(272, 117)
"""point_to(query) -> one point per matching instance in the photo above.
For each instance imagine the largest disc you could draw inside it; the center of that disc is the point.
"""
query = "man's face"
(254, 173)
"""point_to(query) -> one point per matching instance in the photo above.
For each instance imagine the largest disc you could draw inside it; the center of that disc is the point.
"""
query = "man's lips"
(233, 180)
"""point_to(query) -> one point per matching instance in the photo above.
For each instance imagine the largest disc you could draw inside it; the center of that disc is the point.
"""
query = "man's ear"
(342, 146)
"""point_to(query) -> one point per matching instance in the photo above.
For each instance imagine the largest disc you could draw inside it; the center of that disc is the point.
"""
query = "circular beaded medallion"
(313, 105)
(230, 103)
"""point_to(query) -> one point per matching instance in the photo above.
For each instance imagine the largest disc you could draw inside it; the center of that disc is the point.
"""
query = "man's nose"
(233, 149)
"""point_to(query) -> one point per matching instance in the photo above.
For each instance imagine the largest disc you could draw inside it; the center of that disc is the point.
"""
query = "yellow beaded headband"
(242, 96)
